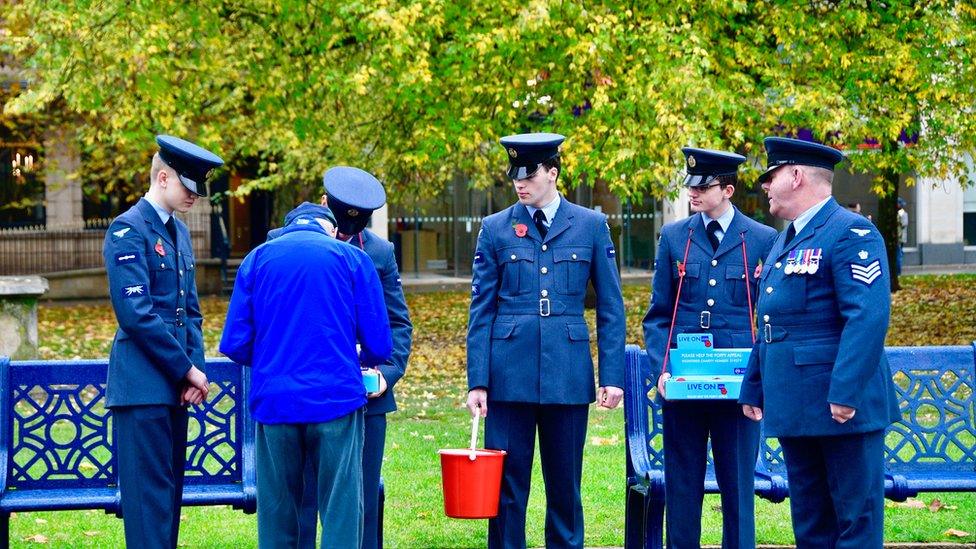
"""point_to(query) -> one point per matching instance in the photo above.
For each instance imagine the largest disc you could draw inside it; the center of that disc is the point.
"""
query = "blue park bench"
(932, 448)
(57, 446)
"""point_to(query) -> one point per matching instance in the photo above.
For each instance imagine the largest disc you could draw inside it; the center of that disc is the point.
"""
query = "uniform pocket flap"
(691, 270)
(502, 330)
(734, 272)
(571, 254)
(511, 255)
(814, 354)
(578, 332)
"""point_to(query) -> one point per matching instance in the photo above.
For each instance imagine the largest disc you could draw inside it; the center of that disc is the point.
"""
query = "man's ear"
(324, 201)
(728, 191)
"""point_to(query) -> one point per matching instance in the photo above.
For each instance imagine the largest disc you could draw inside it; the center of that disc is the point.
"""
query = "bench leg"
(634, 520)
(5, 525)
(654, 523)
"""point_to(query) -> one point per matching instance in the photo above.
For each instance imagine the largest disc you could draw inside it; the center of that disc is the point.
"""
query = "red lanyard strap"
(745, 277)
(677, 299)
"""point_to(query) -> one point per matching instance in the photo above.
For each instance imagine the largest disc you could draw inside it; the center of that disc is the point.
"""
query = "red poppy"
(521, 230)
(159, 247)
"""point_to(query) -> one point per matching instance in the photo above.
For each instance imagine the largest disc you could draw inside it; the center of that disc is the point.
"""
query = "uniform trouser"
(152, 456)
(836, 490)
(373, 446)
(735, 443)
(562, 434)
(335, 448)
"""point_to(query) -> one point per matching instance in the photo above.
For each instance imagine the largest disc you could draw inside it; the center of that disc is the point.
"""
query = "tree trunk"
(887, 223)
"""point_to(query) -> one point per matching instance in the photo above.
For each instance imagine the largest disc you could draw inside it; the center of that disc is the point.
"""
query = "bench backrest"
(55, 431)
(935, 388)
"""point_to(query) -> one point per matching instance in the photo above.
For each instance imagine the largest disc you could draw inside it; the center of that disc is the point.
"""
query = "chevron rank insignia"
(121, 232)
(860, 232)
(866, 273)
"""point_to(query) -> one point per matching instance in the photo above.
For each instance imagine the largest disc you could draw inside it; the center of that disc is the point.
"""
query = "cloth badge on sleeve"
(479, 258)
(128, 257)
(134, 291)
(475, 290)
(860, 232)
(121, 232)
(866, 273)
(611, 253)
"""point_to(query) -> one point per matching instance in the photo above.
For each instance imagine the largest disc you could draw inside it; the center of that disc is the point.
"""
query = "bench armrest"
(636, 418)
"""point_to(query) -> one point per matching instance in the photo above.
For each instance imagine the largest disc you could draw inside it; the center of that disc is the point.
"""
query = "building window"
(969, 215)
(21, 187)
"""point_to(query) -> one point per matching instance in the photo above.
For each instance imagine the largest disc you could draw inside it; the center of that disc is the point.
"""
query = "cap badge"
(691, 161)
(352, 212)
(512, 152)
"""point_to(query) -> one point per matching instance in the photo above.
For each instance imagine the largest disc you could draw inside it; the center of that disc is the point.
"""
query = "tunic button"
(765, 318)
(162, 265)
(714, 262)
(574, 256)
(182, 292)
(743, 275)
(710, 302)
(544, 270)
(778, 265)
(514, 257)
(769, 289)
(712, 282)
(545, 247)
(545, 293)
(181, 272)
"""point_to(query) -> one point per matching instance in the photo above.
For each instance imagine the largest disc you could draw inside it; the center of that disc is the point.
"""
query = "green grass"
(431, 417)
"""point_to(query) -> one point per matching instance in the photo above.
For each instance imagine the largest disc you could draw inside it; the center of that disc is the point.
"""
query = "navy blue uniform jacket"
(300, 304)
(154, 294)
(822, 335)
(380, 251)
(516, 353)
(714, 289)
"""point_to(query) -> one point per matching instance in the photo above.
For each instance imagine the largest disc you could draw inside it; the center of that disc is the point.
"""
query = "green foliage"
(419, 90)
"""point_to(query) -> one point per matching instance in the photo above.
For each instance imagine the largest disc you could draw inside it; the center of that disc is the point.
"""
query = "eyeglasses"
(703, 188)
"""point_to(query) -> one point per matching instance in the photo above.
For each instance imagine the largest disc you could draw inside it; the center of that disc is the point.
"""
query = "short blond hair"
(158, 165)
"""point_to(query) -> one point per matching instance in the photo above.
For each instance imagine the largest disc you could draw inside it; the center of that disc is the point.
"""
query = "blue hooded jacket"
(300, 304)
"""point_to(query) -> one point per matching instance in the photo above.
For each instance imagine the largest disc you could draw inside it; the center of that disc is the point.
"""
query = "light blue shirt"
(724, 221)
(163, 214)
(549, 209)
(805, 217)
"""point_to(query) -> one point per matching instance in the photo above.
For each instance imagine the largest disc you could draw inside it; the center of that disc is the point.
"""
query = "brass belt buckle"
(544, 307)
(705, 319)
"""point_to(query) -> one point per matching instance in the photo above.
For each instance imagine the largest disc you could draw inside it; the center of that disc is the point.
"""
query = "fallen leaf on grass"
(956, 533)
(603, 441)
(92, 533)
(36, 538)
(40, 521)
(910, 503)
(428, 437)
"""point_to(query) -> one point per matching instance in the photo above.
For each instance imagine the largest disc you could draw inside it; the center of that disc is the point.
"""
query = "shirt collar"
(724, 220)
(549, 209)
(160, 211)
(805, 217)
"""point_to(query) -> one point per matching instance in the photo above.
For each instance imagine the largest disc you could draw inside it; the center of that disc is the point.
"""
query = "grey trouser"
(335, 449)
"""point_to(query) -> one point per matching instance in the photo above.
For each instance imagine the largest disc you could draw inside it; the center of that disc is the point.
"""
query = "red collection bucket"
(471, 479)
(471, 487)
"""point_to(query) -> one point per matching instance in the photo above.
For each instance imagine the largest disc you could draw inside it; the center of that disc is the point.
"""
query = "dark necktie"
(171, 229)
(790, 233)
(712, 228)
(540, 222)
